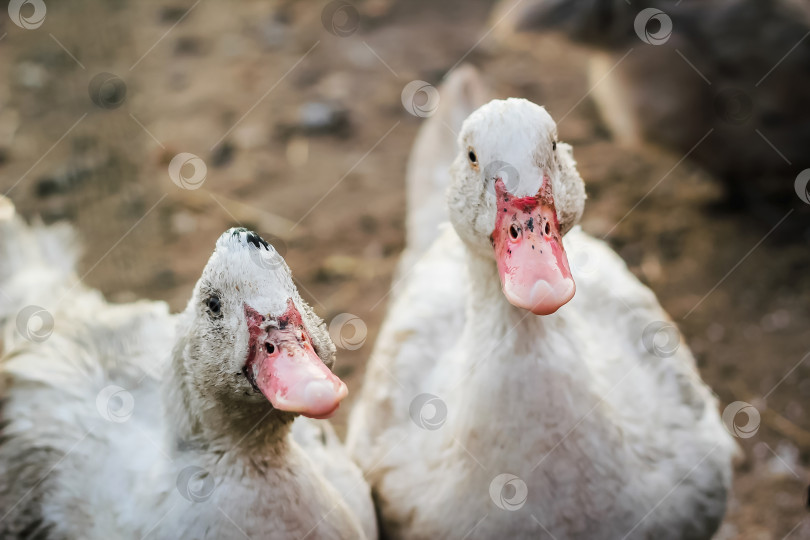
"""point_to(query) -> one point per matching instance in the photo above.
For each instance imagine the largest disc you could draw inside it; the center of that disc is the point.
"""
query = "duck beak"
(284, 366)
(528, 248)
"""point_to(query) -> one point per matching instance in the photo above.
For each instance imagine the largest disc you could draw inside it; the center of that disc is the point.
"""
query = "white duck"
(128, 422)
(481, 419)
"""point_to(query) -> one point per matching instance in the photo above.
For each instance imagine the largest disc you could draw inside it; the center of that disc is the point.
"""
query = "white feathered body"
(610, 440)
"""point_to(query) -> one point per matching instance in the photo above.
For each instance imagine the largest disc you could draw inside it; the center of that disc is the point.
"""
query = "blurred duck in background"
(434, 149)
(725, 82)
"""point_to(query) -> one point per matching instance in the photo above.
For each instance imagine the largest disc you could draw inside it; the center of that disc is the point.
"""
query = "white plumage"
(129, 422)
(611, 436)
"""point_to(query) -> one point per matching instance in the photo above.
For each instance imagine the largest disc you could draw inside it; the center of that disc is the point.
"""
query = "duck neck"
(209, 424)
(505, 329)
(516, 365)
(486, 304)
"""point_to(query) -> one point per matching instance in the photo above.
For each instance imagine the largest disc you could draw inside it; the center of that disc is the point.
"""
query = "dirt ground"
(230, 82)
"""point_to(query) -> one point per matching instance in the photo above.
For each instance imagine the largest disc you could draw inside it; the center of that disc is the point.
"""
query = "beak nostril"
(514, 232)
(548, 228)
(270, 348)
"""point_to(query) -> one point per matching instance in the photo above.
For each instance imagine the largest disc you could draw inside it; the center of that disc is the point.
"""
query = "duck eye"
(471, 155)
(554, 145)
(214, 305)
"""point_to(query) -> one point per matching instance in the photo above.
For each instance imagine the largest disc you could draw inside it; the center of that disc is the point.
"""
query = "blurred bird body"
(726, 83)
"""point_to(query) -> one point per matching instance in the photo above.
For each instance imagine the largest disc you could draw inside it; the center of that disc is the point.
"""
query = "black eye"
(214, 304)
(554, 145)
(471, 155)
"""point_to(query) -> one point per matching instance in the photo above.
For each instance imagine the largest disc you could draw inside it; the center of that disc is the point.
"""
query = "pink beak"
(528, 247)
(283, 365)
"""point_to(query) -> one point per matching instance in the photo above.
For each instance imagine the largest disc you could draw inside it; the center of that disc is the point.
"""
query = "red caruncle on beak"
(284, 366)
(532, 263)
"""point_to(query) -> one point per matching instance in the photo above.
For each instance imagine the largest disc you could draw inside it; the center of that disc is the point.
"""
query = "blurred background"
(690, 130)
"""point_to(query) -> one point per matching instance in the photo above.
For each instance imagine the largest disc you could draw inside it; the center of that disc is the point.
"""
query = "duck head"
(514, 193)
(248, 336)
